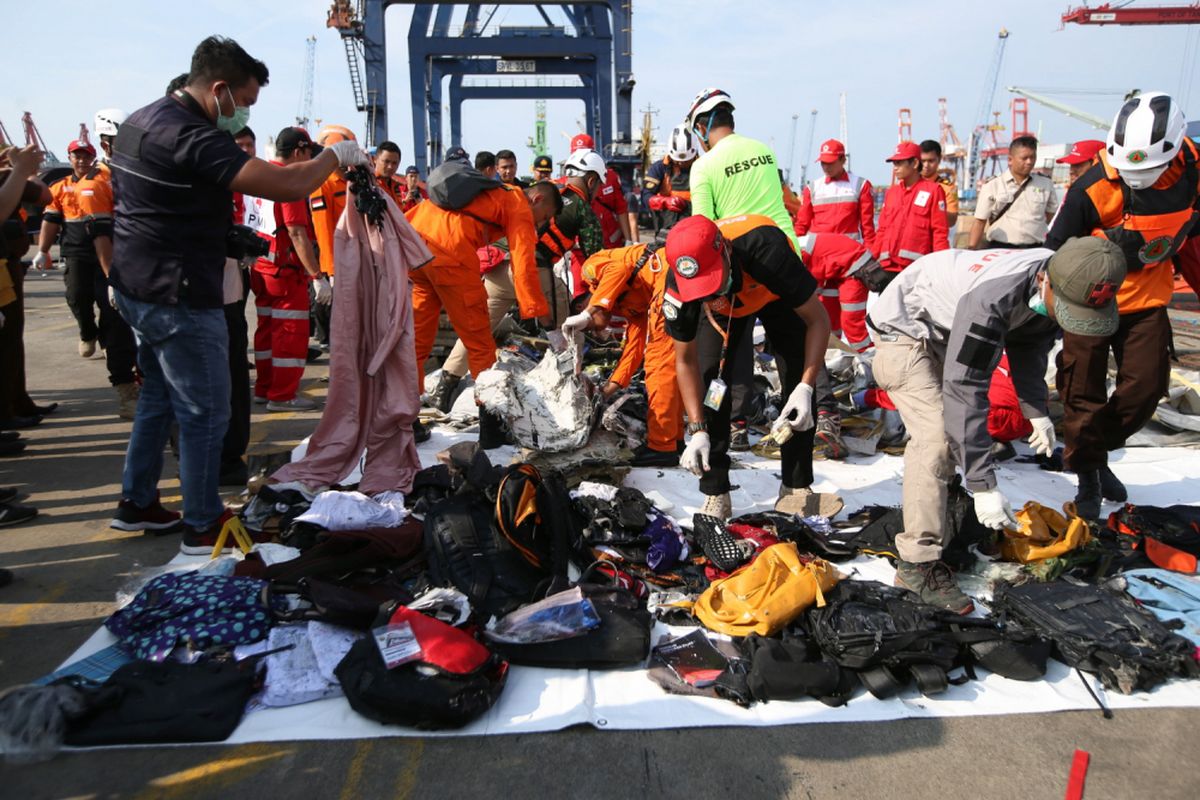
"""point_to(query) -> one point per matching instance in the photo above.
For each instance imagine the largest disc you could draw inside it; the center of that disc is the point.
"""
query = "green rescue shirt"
(739, 176)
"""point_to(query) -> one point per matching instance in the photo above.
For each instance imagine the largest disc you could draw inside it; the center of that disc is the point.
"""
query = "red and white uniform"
(831, 257)
(608, 203)
(912, 224)
(844, 205)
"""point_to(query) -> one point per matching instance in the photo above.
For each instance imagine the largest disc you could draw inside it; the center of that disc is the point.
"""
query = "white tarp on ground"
(545, 700)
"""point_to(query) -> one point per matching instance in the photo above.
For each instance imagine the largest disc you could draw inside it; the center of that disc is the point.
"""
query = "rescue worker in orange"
(1143, 195)
(666, 189)
(913, 220)
(387, 161)
(326, 204)
(451, 280)
(629, 282)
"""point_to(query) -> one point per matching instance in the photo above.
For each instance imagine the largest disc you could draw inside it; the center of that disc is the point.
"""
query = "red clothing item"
(293, 214)
(845, 205)
(281, 335)
(607, 204)
(409, 200)
(912, 224)
(831, 257)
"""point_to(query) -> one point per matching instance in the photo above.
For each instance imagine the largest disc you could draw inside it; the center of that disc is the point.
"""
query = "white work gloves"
(577, 323)
(348, 153)
(695, 455)
(1042, 439)
(558, 342)
(322, 291)
(993, 510)
(112, 297)
(41, 260)
(799, 404)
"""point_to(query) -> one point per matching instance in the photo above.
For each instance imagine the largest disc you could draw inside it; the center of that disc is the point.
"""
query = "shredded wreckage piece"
(368, 200)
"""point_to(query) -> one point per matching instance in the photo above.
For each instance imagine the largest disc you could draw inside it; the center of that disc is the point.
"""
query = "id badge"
(715, 394)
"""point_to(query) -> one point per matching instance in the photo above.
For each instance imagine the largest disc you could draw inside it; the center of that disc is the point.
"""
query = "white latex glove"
(322, 290)
(348, 153)
(1042, 439)
(994, 511)
(695, 456)
(577, 323)
(799, 403)
(558, 342)
(41, 261)
(112, 297)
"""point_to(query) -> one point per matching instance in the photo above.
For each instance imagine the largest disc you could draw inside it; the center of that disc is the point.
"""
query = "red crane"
(905, 125)
(33, 136)
(1122, 14)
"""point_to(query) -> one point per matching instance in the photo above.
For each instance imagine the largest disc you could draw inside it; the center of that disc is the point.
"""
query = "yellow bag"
(1044, 534)
(766, 594)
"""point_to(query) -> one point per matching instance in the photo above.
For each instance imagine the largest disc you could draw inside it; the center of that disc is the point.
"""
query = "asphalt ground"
(69, 564)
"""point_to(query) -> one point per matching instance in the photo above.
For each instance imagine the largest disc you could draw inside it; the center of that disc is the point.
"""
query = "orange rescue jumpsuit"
(452, 280)
(620, 287)
(326, 204)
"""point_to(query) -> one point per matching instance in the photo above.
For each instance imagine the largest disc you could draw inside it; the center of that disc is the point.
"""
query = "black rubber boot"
(442, 397)
(1087, 499)
(421, 432)
(1111, 486)
(491, 430)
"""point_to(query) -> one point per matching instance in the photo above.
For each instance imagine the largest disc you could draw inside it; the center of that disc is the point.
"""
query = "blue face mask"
(1037, 303)
(239, 119)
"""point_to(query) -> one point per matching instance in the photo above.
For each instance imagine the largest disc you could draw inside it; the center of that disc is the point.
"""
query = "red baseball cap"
(831, 150)
(1081, 152)
(905, 151)
(78, 145)
(694, 248)
(581, 141)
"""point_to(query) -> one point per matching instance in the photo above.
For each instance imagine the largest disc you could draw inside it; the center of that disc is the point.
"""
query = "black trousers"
(116, 337)
(80, 276)
(14, 400)
(321, 316)
(237, 435)
(786, 332)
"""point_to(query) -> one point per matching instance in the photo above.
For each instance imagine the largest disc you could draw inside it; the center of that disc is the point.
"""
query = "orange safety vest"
(1150, 226)
(753, 296)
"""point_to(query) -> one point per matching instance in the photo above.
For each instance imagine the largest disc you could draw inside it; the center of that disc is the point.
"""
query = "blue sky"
(776, 57)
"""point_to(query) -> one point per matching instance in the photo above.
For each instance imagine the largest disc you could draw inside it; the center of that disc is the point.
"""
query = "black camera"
(243, 242)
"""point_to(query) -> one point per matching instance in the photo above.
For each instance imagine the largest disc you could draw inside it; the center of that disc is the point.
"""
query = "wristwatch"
(696, 427)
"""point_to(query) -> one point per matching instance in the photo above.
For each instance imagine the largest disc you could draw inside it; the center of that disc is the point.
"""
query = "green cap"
(1085, 275)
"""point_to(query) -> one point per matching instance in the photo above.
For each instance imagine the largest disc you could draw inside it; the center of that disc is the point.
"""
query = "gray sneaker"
(934, 583)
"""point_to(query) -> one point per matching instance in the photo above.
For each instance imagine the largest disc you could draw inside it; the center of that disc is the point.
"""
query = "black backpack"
(453, 185)
(1100, 631)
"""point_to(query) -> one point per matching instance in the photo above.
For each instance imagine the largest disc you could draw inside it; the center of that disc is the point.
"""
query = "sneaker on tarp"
(934, 583)
(739, 437)
(154, 517)
(828, 437)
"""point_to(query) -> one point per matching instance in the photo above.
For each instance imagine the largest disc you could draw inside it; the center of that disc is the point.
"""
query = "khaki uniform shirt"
(1025, 222)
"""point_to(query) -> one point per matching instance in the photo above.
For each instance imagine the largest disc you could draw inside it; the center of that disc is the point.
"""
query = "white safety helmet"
(682, 145)
(581, 162)
(108, 120)
(1144, 138)
(707, 100)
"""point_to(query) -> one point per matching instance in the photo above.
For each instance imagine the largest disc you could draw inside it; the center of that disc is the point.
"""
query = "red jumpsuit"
(912, 224)
(609, 205)
(620, 287)
(280, 287)
(451, 280)
(844, 205)
(830, 257)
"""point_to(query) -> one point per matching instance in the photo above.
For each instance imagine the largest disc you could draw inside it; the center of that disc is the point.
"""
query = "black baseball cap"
(543, 164)
(411, 169)
(292, 137)
(457, 154)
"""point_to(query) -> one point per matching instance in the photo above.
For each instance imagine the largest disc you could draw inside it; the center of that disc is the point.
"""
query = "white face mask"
(1142, 178)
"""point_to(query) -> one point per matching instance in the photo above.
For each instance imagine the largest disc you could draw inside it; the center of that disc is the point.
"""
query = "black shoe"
(1088, 498)
(11, 448)
(934, 583)
(234, 474)
(153, 518)
(442, 396)
(643, 456)
(9, 436)
(8, 494)
(739, 437)
(1111, 487)
(491, 430)
(18, 423)
(49, 408)
(1003, 451)
(13, 514)
(6, 577)
(420, 432)
(314, 353)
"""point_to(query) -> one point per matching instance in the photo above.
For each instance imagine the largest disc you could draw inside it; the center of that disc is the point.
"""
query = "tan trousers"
(501, 296)
(911, 373)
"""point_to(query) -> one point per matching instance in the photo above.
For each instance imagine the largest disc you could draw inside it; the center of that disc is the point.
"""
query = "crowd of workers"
(959, 339)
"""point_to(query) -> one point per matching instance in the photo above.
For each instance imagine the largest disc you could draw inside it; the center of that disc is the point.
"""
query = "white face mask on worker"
(1138, 179)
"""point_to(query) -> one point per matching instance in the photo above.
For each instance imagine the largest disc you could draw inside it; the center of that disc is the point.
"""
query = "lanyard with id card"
(717, 387)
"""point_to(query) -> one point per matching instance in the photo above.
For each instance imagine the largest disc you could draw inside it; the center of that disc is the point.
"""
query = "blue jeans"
(183, 354)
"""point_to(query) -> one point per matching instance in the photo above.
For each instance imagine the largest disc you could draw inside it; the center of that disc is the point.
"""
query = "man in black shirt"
(175, 167)
(722, 276)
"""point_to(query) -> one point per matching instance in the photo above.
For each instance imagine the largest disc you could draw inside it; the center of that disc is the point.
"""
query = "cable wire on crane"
(304, 114)
(980, 128)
